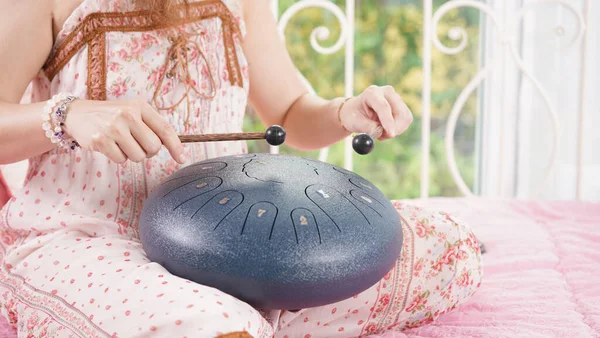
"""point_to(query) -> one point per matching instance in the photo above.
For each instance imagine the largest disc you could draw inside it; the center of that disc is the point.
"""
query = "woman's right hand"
(122, 130)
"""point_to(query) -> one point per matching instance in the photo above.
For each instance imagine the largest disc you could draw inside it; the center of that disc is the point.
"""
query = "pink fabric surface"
(541, 271)
(6, 331)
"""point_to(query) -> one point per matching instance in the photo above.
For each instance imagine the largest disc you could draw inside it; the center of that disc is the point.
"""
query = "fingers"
(400, 111)
(394, 100)
(102, 144)
(146, 138)
(164, 131)
(114, 153)
(377, 102)
(120, 132)
(135, 131)
(373, 129)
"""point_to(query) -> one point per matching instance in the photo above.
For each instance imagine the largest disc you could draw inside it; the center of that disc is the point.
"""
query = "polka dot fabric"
(72, 262)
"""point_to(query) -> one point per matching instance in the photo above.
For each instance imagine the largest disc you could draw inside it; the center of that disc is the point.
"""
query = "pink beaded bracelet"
(54, 116)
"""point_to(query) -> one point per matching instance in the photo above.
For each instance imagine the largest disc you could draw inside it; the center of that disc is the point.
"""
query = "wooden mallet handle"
(221, 137)
(275, 136)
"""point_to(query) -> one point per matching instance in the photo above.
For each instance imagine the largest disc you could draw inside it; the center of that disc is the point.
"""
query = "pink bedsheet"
(541, 271)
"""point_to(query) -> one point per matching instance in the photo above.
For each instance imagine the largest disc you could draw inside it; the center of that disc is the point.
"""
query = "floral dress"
(72, 261)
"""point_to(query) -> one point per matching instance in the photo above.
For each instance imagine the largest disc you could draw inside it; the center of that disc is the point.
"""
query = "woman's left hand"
(376, 106)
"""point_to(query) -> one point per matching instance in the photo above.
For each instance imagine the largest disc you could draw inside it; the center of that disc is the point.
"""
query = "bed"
(542, 266)
(541, 274)
(541, 271)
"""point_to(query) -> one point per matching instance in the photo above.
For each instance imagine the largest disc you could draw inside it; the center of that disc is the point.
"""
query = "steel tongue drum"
(276, 231)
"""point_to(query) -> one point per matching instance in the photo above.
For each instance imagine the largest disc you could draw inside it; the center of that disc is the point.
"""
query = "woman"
(130, 76)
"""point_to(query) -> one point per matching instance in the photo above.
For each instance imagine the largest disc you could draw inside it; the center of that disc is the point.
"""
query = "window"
(503, 135)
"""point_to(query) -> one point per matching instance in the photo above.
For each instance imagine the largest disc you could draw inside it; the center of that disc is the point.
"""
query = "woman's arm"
(280, 97)
(26, 41)
(121, 130)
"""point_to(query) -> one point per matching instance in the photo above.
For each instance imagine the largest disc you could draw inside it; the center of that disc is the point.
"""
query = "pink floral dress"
(72, 262)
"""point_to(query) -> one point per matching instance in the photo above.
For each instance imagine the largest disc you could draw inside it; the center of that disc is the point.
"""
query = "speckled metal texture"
(277, 231)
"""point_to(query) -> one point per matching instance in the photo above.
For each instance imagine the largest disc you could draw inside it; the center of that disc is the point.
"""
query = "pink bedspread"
(541, 271)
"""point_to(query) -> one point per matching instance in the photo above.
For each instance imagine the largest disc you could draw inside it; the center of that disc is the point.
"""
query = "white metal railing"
(505, 18)
(506, 25)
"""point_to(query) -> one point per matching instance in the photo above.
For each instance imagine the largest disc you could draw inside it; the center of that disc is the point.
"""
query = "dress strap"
(237, 10)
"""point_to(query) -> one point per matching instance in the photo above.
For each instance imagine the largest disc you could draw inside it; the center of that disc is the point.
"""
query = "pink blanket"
(541, 272)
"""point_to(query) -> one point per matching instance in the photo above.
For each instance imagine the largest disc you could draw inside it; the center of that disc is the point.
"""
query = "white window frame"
(508, 88)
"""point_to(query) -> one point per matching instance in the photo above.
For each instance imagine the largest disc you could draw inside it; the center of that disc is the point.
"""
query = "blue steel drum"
(276, 231)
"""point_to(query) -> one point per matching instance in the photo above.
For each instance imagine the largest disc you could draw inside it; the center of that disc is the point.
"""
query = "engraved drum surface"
(277, 231)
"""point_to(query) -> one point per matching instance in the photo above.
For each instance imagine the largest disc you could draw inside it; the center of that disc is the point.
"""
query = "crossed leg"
(439, 268)
(67, 284)
(71, 285)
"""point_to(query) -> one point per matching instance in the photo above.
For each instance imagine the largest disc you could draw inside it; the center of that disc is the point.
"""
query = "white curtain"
(516, 134)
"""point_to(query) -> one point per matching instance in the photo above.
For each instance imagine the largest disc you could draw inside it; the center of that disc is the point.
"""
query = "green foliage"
(388, 51)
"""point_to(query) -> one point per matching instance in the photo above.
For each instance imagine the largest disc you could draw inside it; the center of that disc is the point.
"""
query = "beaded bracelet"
(54, 116)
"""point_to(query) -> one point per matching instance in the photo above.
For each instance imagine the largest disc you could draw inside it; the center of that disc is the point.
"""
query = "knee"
(446, 253)
(462, 254)
(447, 267)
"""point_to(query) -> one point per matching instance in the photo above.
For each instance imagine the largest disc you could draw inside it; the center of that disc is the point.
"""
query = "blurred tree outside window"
(388, 51)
